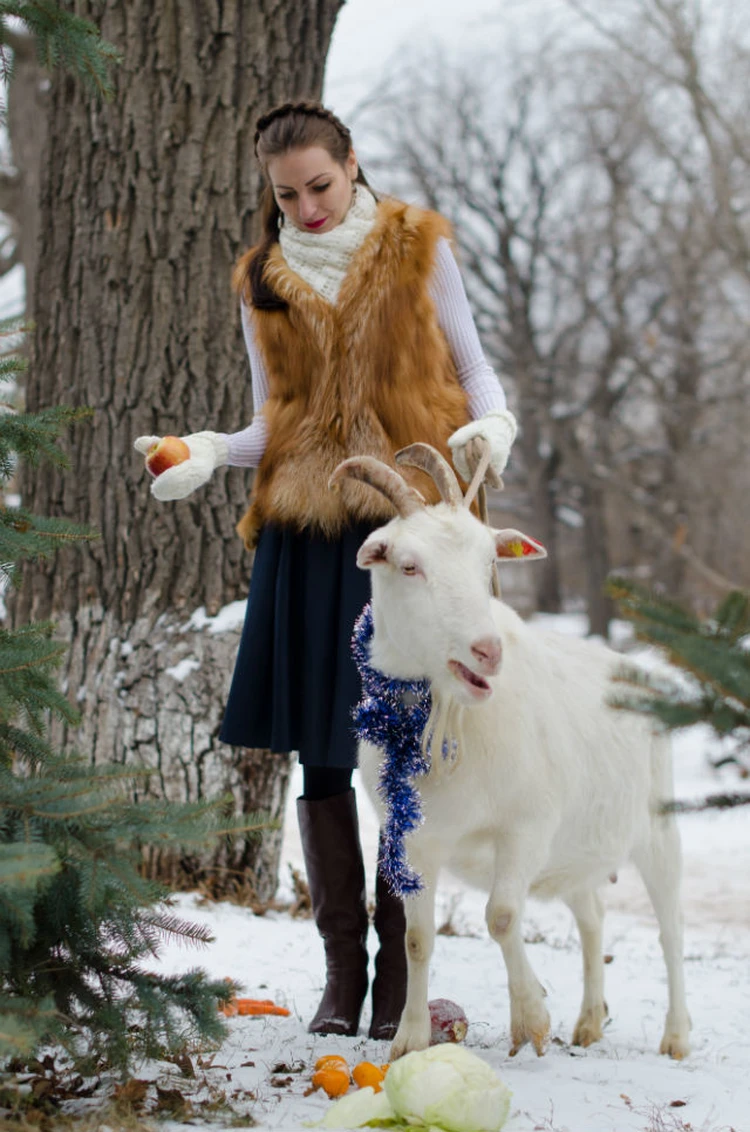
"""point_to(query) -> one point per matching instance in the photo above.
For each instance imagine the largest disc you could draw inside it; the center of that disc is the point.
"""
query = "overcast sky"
(369, 32)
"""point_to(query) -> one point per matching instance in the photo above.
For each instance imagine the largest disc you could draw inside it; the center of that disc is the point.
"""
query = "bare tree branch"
(652, 514)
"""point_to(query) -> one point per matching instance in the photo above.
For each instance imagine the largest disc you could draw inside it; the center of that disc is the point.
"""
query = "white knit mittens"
(498, 427)
(208, 450)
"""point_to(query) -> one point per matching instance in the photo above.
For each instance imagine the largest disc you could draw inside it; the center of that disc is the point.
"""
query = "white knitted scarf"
(323, 259)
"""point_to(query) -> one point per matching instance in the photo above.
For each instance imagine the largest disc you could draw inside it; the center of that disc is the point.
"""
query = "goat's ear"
(374, 551)
(514, 544)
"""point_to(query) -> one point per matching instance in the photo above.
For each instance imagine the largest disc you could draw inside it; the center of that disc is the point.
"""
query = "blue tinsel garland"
(392, 715)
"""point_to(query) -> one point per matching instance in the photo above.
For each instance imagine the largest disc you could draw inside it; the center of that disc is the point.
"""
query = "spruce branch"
(78, 918)
(23, 863)
(709, 681)
(62, 40)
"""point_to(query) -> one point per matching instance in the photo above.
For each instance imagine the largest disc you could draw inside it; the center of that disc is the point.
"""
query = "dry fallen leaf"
(132, 1092)
(184, 1064)
(172, 1100)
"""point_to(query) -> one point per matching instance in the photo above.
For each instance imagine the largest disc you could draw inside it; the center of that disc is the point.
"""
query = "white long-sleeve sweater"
(482, 387)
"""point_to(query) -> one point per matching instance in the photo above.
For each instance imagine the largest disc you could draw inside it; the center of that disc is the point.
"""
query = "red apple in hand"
(167, 452)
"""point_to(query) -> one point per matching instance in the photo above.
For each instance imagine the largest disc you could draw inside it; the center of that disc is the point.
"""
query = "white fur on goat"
(554, 790)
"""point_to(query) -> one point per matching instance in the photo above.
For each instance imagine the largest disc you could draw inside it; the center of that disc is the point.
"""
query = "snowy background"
(620, 1085)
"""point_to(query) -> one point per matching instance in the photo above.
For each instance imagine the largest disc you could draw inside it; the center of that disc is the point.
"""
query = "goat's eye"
(409, 568)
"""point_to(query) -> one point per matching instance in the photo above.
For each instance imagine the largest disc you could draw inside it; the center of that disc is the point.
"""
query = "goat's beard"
(443, 738)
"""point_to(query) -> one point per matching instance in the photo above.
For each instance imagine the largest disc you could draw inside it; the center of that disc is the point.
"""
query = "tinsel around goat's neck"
(393, 715)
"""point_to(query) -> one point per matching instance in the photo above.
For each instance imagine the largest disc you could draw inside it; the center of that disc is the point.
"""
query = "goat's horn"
(384, 479)
(427, 458)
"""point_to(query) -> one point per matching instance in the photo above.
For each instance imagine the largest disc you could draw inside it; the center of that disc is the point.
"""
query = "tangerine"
(334, 1082)
(368, 1074)
(332, 1061)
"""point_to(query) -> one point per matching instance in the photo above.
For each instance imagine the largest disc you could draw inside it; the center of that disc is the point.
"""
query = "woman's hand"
(208, 450)
(498, 428)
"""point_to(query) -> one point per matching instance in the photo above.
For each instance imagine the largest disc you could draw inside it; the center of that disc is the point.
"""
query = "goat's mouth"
(477, 686)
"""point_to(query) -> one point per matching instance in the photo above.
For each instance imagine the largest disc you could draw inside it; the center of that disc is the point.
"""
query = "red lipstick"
(316, 223)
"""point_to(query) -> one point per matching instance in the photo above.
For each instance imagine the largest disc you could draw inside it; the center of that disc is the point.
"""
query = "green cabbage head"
(444, 1088)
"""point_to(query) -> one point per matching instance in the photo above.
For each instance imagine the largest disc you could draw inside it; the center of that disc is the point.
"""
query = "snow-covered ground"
(620, 1085)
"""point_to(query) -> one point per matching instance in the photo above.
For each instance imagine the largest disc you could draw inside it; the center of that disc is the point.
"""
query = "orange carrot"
(261, 1006)
(252, 1006)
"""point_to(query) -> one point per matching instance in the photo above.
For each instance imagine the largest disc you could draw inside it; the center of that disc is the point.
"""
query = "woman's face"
(312, 190)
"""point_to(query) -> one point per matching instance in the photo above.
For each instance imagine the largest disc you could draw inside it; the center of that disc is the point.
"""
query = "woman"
(360, 340)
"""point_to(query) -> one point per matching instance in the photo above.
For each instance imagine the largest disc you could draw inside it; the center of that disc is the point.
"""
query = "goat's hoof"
(539, 1042)
(406, 1041)
(585, 1036)
(675, 1042)
(538, 1035)
(589, 1027)
(529, 1022)
(675, 1046)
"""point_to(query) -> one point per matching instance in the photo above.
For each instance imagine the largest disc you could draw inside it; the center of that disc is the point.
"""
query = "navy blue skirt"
(295, 682)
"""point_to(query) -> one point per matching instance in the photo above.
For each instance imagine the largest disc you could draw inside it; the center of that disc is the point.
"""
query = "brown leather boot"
(336, 875)
(389, 985)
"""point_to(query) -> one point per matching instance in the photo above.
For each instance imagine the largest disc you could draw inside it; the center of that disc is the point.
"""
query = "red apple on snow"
(167, 452)
(448, 1022)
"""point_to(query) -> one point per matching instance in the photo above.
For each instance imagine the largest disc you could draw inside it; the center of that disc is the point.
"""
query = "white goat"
(552, 791)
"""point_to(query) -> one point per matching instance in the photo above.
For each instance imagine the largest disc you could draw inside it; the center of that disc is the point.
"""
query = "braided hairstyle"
(291, 125)
(293, 129)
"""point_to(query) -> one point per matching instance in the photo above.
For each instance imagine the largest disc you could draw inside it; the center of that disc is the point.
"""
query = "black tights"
(321, 782)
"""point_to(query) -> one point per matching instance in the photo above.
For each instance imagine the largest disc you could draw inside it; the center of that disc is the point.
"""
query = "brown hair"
(292, 125)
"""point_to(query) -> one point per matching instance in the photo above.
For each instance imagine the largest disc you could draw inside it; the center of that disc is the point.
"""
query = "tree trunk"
(146, 203)
(28, 98)
(541, 473)
(596, 546)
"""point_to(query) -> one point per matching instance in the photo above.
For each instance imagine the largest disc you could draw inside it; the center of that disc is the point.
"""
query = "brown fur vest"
(368, 375)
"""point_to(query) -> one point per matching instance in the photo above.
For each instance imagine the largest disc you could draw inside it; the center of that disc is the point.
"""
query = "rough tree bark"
(600, 607)
(145, 204)
(28, 97)
(541, 474)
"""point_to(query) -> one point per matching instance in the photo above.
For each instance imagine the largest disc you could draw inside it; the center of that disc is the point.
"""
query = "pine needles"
(63, 40)
(80, 927)
(710, 679)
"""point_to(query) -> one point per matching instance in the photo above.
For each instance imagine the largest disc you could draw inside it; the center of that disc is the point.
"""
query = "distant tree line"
(599, 188)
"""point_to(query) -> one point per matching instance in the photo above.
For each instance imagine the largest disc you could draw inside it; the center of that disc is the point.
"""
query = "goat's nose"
(488, 651)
